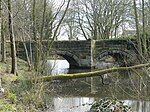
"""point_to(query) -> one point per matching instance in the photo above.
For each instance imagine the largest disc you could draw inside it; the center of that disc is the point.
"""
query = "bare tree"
(139, 46)
(3, 39)
(144, 32)
(0, 23)
(12, 40)
(35, 36)
(70, 24)
(99, 19)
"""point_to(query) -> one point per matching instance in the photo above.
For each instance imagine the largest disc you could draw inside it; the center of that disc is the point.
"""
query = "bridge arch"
(122, 57)
(72, 59)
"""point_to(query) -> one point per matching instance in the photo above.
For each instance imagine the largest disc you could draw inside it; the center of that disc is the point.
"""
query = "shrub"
(110, 105)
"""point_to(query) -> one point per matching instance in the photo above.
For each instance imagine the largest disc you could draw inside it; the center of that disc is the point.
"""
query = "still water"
(76, 95)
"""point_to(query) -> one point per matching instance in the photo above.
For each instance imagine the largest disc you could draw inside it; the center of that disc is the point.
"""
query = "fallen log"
(91, 74)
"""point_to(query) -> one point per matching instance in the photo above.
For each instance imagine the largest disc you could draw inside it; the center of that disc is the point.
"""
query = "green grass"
(23, 95)
(6, 107)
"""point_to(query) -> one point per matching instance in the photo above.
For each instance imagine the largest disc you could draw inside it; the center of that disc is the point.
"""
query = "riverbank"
(26, 95)
(20, 96)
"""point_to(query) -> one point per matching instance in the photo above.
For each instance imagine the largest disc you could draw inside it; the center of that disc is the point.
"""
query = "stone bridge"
(85, 53)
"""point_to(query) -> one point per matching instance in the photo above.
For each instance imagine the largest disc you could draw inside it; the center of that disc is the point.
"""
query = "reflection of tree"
(75, 104)
(55, 67)
(129, 88)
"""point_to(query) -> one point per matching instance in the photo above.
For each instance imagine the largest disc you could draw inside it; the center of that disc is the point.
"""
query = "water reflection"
(72, 104)
(82, 104)
(73, 94)
(57, 67)
(139, 106)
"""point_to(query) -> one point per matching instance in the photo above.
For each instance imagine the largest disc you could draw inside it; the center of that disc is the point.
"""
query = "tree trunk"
(26, 50)
(35, 37)
(3, 42)
(91, 74)
(2, 36)
(139, 46)
(41, 53)
(144, 33)
(12, 40)
(0, 24)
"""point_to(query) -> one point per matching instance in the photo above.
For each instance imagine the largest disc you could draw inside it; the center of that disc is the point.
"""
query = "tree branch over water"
(91, 74)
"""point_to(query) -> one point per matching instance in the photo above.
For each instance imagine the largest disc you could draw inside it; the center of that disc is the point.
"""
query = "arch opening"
(72, 59)
(72, 62)
(117, 58)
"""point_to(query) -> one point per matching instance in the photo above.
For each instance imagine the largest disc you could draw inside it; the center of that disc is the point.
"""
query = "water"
(76, 95)
(57, 67)
(71, 104)
(75, 104)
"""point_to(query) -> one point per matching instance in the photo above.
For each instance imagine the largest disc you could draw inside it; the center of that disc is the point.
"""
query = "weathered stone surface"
(86, 53)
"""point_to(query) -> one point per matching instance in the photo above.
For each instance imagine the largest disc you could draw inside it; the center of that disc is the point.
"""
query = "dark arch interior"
(72, 62)
(120, 58)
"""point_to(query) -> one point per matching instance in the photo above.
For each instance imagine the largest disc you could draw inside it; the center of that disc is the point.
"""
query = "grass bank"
(21, 96)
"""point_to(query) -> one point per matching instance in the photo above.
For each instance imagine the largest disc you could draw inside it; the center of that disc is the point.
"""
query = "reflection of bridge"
(86, 53)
